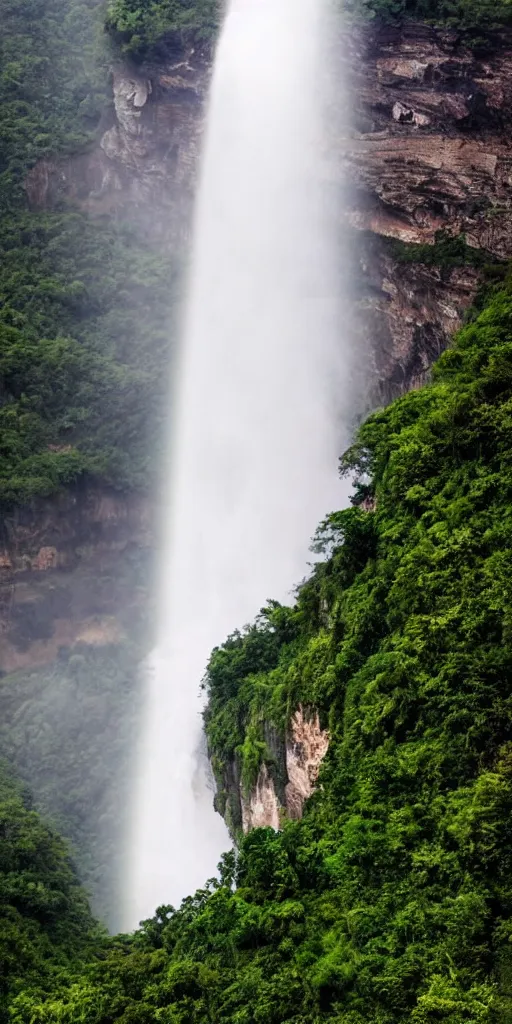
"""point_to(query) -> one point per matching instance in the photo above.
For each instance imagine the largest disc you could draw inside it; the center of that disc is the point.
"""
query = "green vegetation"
(45, 923)
(53, 84)
(391, 900)
(476, 18)
(84, 304)
(153, 28)
(69, 730)
(448, 251)
(84, 334)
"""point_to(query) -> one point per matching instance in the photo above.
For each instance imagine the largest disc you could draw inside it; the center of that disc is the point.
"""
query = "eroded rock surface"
(431, 148)
(306, 746)
(430, 152)
(144, 162)
(262, 808)
(304, 749)
(73, 570)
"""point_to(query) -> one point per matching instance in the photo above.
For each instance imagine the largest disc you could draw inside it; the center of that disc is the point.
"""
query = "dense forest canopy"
(84, 302)
(45, 923)
(151, 28)
(69, 729)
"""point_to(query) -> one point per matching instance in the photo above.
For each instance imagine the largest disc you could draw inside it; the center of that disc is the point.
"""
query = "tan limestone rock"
(306, 747)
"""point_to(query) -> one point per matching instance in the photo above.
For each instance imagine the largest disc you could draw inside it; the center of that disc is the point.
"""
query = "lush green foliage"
(391, 900)
(84, 334)
(69, 730)
(84, 305)
(44, 919)
(476, 17)
(402, 640)
(447, 251)
(152, 28)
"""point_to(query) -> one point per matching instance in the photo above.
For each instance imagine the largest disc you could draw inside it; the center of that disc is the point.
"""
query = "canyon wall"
(430, 153)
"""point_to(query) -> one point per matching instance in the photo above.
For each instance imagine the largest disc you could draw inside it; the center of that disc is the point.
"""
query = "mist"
(261, 405)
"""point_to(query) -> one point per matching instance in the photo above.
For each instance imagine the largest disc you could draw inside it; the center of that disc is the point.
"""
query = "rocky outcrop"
(73, 570)
(286, 779)
(407, 313)
(431, 147)
(429, 152)
(306, 746)
(143, 164)
(261, 809)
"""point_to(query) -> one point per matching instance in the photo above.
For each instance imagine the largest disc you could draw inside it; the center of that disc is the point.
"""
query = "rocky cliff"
(73, 570)
(143, 165)
(430, 153)
(285, 779)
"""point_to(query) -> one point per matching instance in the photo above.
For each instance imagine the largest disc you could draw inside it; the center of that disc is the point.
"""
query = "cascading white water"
(256, 430)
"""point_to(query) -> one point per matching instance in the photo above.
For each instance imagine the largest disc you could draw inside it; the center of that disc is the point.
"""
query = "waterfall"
(257, 418)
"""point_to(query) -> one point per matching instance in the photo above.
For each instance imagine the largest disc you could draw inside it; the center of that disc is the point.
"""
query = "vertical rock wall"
(305, 747)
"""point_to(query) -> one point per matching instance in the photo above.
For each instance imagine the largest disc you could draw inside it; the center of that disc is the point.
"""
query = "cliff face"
(73, 570)
(432, 148)
(283, 784)
(430, 154)
(143, 166)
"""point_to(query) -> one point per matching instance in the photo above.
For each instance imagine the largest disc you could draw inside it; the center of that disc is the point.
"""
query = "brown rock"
(46, 558)
(68, 575)
(306, 747)
(261, 809)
